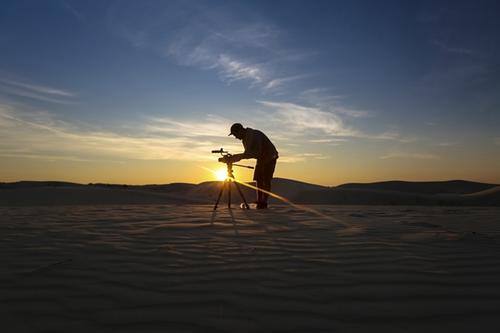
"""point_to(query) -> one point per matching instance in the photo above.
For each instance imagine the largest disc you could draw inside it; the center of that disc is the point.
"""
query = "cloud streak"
(451, 49)
(301, 118)
(38, 134)
(419, 156)
(235, 70)
(37, 92)
(26, 134)
(237, 45)
(220, 51)
(323, 98)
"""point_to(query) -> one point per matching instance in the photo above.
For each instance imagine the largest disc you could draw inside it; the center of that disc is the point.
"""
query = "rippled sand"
(160, 268)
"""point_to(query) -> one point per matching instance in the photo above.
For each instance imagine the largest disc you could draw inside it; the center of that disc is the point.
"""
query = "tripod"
(227, 184)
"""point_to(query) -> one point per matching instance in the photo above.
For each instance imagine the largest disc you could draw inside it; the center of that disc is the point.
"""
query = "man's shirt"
(257, 145)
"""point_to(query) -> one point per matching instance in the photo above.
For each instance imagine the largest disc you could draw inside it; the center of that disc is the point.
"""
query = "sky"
(140, 92)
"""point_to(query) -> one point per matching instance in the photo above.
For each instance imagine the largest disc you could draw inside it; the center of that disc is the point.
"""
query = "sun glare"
(221, 174)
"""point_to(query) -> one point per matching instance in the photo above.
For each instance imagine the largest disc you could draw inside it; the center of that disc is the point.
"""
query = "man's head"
(238, 131)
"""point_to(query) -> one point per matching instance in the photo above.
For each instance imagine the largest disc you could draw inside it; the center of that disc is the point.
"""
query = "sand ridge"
(171, 268)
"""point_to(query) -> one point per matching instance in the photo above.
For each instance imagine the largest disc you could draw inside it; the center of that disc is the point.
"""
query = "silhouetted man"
(257, 145)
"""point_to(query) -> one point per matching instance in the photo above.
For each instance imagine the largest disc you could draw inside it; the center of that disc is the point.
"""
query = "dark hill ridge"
(437, 187)
(455, 192)
(31, 184)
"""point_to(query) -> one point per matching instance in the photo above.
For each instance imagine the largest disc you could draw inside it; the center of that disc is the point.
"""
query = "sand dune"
(88, 195)
(340, 196)
(458, 193)
(490, 197)
(170, 268)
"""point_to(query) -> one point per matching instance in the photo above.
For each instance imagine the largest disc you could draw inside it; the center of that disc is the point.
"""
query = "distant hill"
(32, 184)
(450, 187)
(454, 192)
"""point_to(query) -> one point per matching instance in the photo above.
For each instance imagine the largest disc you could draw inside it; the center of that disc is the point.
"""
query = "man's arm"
(234, 158)
(237, 157)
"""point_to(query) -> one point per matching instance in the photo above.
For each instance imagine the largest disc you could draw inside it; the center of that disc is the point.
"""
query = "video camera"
(225, 155)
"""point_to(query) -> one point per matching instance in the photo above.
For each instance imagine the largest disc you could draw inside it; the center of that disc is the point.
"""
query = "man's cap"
(236, 127)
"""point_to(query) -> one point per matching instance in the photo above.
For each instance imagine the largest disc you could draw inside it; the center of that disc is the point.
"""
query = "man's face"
(239, 134)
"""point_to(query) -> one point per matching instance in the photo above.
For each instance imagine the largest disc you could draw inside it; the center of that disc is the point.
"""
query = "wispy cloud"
(39, 89)
(40, 135)
(497, 141)
(329, 140)
(302, 118)
(319, 124)
(38, 92)
(392, 135)
(452, 49)
(212, 126)
(420, 156)
(320, 96)
(71, 9)
(279, 83)
(325, 99)
(237, 45)
(232, 69)
(446, 144)
(289, 157)
(28, 134)
(217, 51)
(351, 112)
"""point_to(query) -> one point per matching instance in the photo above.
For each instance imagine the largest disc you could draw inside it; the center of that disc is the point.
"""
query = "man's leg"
(260, 195)
(266, 185)
(263, 176)
(268, 177)
(257, 176)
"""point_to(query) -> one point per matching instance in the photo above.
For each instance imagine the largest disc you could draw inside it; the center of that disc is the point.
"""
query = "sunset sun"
(221, 174)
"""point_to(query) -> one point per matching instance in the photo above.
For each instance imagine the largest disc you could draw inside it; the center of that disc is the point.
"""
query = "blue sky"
(347, 90)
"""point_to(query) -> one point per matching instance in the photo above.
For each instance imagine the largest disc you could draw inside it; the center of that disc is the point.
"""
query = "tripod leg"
(229, 193)
(241, 195)
(220, 194)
